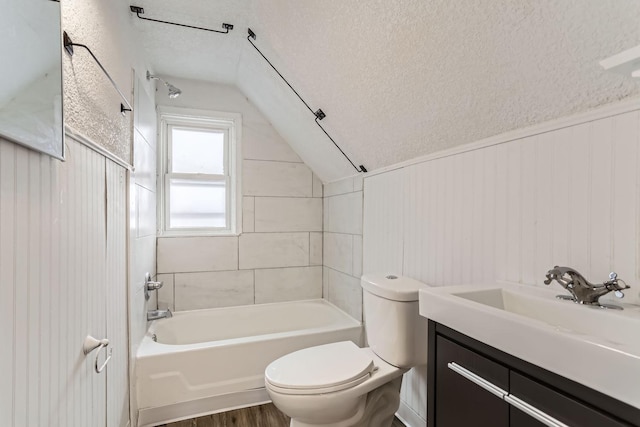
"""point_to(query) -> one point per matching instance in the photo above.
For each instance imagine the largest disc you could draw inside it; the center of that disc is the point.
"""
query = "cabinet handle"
(533, 412)
(478, 380)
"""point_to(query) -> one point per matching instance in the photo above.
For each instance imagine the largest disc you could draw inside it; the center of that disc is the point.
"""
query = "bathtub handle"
(150, 285)
(90, 344)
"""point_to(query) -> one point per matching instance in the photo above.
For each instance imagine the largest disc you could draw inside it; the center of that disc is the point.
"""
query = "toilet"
(343, 385)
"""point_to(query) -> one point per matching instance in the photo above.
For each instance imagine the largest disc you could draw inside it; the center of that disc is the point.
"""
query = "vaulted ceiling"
(399, 79)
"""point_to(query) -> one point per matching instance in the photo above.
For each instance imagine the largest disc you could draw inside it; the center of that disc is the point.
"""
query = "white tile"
(288, 284)
(276, 179)
(338, 252)
(346, 293)
(338, 187)
(145, 113)
(325, 213)
(166, 292)
(138, 317)
(270, 250)
(260, 141)
(288, 214)
(325, 282)
(145, 260)
(144, 163)
(195, 291)
(344, 213)
(146, 212)
(357, 256)
(248, 214)
(315, 248)
(317, 186)
(188, 254)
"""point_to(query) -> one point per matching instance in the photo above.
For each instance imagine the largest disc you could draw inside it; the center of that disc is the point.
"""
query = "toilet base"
(377, 410)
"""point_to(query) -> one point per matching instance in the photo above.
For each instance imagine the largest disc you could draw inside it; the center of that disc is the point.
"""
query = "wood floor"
(256, 416)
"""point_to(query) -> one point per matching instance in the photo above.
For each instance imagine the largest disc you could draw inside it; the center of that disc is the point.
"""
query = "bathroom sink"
(597, 347)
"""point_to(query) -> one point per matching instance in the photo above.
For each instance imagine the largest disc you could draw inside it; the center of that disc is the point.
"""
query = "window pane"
(197, 151)
(197, 204)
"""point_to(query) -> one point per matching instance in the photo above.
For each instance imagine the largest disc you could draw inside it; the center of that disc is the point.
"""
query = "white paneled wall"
(511, 211)
(342, 245)
(116, 296)
(278, 255)
(142, 221)
(55, 234)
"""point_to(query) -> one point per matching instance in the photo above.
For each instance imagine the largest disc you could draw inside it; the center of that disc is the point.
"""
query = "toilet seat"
(321, 369)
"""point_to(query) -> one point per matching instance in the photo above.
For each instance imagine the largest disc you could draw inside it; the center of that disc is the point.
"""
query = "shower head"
(174, 92)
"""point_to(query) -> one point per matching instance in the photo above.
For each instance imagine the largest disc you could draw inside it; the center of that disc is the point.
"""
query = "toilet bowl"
(343, 385)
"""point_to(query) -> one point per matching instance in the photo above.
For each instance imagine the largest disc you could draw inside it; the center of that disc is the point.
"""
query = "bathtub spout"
(158, 314)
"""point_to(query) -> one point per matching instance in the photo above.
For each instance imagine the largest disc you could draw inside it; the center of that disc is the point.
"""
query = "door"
(554, 404)
(462, 398)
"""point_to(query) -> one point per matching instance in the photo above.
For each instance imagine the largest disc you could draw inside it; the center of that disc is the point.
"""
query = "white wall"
(142, 221)
(62, 277)
(342, 256)
(69, 233)
(509, 209)
(278, 256)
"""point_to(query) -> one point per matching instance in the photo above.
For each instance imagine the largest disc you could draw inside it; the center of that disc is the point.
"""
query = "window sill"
(226, 233)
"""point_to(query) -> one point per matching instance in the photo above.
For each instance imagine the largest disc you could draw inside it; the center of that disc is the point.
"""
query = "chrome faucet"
(158, 314)
(150, 286)
(583, 292)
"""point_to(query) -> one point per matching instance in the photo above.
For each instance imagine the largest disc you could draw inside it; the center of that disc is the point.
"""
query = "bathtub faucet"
(158, 314)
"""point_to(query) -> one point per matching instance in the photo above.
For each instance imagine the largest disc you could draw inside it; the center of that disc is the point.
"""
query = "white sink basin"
(596, 347)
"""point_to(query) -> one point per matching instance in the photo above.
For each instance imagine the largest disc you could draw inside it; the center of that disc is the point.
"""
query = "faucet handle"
(613, 276)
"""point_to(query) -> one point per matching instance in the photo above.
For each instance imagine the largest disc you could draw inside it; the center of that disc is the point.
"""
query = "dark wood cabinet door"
(555, 404)
(460, 402)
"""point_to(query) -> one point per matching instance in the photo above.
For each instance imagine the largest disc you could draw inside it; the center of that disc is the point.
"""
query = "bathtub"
(207, 361)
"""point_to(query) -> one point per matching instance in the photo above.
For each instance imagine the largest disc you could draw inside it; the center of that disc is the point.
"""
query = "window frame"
(231, 125)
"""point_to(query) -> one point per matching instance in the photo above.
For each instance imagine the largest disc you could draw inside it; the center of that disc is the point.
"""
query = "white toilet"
(342, 385)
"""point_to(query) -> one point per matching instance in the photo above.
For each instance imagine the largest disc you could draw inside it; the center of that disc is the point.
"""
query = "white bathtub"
(208, 361)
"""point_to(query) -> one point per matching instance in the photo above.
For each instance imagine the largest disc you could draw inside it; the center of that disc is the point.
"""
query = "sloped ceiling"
(400, 79)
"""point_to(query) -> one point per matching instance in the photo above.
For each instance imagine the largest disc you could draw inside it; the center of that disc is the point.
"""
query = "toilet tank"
(395, 330)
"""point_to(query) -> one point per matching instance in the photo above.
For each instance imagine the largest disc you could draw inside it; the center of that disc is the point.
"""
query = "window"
(200, 166)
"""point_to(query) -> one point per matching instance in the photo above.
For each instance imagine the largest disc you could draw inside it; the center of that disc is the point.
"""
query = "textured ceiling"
(399, 79)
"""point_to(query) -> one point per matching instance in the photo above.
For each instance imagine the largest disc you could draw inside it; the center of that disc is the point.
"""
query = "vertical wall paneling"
(600, 197)
(7, 300)
(116, 308)
(53, 251)
(546, 202)
(510, 212)
(625, 190)
(528, 200)
(383, 223)
(21, 287)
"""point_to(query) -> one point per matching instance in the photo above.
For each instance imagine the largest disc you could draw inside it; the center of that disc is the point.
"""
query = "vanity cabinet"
(473, 384)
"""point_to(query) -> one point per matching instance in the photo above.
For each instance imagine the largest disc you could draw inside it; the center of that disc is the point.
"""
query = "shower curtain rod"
(140, 11)
(319, 114)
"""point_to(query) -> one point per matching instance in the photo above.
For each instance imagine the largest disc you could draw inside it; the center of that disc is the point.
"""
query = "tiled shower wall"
(342, 261)
(142, 221)
(510, 211)
(278, 256)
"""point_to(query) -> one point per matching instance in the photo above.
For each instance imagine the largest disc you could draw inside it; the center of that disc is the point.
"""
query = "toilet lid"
(322, 367)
